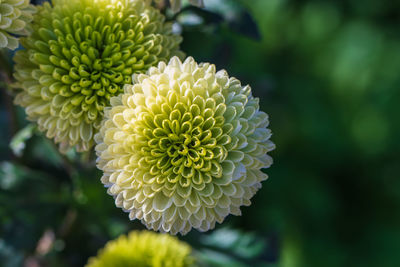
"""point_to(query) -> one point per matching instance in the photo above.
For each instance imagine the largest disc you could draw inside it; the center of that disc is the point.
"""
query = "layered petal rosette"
(80, 54)
(144, 249)
(15, 16)
(183, 147)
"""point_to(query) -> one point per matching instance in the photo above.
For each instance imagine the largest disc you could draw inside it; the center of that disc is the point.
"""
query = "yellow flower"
(15, 16)
(144, 249)
(80, 54)
(183, 147)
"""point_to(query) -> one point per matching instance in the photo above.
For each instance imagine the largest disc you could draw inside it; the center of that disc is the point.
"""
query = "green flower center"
(184, 145)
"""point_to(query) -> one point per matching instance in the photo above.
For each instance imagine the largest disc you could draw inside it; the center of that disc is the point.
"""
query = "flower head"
(143, 249)
(80, 54)
(183, 147)
(14, 18)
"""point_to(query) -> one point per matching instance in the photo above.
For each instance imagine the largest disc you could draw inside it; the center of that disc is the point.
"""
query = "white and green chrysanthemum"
(144, 249)
(80, 54)
(183, 147)
(15, 16)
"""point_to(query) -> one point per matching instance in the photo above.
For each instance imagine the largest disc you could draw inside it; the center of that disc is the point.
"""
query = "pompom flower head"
(80, 54)
(183, 147)
(14, 18)
(144, 249)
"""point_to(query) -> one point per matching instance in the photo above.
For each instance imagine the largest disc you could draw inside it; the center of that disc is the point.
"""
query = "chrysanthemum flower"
(144, 249)
(80, 54)
(183, 147)
(14, 18)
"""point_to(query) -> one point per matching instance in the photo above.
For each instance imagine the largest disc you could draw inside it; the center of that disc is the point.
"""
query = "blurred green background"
(327, 73)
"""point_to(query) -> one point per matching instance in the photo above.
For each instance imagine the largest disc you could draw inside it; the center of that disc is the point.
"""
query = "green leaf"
(17, 143)
(217, 259)
(244, 245)
(10, 175)
(13, 175)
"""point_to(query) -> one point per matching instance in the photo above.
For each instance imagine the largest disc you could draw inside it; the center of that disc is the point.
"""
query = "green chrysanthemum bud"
(14, 18)
(183, 147)
(144, 249)
(80, 54)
